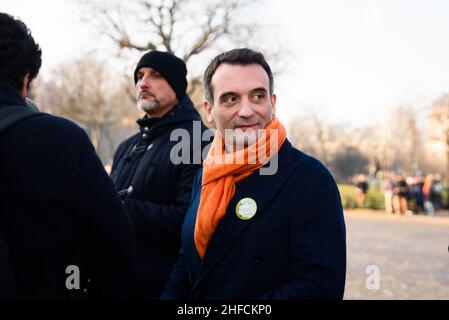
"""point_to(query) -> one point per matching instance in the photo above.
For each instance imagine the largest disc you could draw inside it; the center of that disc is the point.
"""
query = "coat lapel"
(262, 189)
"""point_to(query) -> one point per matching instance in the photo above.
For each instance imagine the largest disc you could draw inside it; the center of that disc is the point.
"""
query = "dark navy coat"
(293, 248)
(161, 192)
(58, 206)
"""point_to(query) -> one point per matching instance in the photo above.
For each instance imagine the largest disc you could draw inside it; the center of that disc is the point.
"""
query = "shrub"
(374, 199)
(348, 195)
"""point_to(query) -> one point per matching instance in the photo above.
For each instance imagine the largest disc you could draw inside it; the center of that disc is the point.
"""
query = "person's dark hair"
(242, 56)
(19, 53)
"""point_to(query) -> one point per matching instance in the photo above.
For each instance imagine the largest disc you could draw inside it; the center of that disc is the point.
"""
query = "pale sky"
(351, 60)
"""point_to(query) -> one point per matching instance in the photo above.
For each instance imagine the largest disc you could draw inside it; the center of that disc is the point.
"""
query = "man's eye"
(230, 99)
(259, 96)
(156, 75)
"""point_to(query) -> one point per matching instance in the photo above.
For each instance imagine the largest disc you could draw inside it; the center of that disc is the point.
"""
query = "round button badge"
(246, 209)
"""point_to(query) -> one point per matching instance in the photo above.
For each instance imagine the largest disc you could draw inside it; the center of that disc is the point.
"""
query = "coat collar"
(262, 189)
(10, 96)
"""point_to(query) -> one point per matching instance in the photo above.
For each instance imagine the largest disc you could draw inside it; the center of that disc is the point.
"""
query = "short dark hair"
(19, 53)
(243, 56)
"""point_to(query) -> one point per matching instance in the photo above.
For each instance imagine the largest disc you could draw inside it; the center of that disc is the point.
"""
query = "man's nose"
(246, 109)
(145, 82)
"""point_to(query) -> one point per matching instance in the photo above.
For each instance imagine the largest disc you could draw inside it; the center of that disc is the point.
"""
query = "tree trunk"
(447, 158)
(95, 136)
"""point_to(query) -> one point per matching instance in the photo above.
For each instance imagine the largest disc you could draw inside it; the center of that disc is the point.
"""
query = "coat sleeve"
(118, 154)
(318, 244)
(178, 285)
(164, 222)
(106, 228)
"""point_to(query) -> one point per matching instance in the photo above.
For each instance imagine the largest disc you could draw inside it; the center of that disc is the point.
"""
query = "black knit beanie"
(169, 66)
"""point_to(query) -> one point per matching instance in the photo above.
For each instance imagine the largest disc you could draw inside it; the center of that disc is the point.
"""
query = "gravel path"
(408, 256)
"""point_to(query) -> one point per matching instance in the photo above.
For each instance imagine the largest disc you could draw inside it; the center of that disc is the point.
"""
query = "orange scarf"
(222, 171)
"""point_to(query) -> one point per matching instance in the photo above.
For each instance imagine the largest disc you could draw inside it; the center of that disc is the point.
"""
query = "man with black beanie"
(155, 189)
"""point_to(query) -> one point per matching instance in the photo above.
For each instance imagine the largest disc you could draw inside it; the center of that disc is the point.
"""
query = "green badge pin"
(246, 209)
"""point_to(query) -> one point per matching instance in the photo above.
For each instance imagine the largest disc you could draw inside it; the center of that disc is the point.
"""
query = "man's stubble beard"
(148, 106)
(239, 139)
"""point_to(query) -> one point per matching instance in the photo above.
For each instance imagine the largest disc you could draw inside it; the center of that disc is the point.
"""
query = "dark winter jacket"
(293, 248)
(58, 205)
(161, 191)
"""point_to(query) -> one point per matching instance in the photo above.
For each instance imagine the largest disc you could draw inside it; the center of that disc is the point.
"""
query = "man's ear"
(273, 103)
(24, 90)
(208, 108)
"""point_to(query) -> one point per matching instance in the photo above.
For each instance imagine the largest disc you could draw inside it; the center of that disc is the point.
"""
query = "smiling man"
(250, 235)
(155, 190)
(244, 107)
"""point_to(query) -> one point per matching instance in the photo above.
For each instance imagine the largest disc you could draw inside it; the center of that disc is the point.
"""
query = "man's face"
(242, 103)
(154, 95)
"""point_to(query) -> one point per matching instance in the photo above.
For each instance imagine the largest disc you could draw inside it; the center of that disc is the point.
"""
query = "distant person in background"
(400, 193)
(436, 192)
(362, 188)
(387, 188)
(416, 190)
(426, 190)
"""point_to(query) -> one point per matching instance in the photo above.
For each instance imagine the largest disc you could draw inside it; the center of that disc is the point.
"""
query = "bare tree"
(405, 138)
(347, 162)
(194, 30)
(299, 135)
(321, 131)
(439, 116)
(87, 93)
(167, 24)
(311, 132)
(396, 142)
(338, 145)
